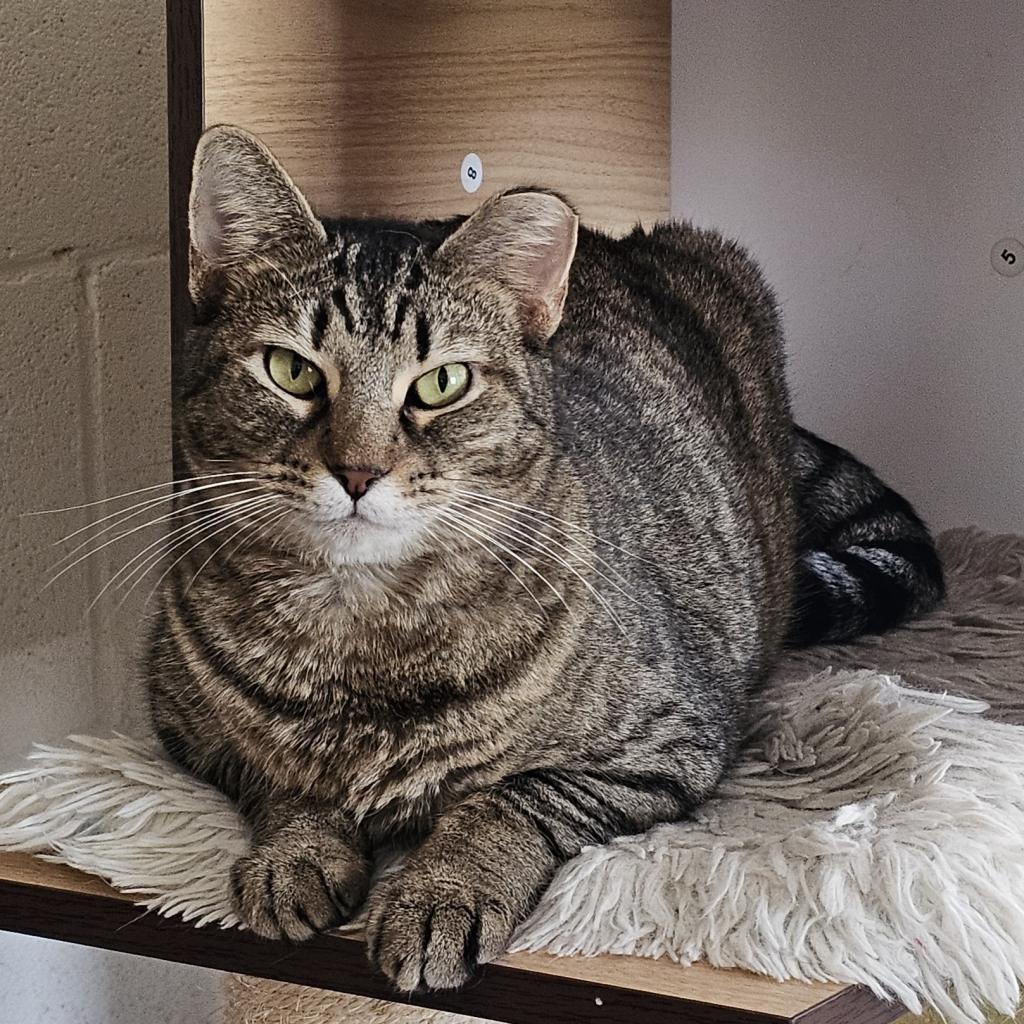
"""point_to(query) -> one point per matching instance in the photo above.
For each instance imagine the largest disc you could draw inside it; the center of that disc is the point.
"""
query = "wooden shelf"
(372, 107)
(56, 902)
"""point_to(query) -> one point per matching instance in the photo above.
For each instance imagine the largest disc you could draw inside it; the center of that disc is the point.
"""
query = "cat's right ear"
(524, 241)
(242, 203)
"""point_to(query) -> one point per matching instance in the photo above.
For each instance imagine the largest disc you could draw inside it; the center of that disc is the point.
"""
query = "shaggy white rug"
(870, 832)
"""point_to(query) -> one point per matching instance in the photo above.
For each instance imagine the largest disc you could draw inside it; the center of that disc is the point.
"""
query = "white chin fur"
(386, 530)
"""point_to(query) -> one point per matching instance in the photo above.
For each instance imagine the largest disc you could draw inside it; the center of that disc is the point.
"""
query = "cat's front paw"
(428, 931)
(294, 885)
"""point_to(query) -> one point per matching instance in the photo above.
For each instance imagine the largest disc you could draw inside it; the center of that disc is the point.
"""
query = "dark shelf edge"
(185, 115)
(854, 1006)
(339, 964)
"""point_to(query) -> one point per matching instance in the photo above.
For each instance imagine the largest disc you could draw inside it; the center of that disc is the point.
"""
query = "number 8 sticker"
(472, 172)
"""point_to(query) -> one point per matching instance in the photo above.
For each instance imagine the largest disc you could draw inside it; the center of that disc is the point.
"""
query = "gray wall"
(83, 413)
(870, 154)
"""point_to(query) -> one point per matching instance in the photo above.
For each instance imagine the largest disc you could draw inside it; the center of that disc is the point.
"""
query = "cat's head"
(367, 376)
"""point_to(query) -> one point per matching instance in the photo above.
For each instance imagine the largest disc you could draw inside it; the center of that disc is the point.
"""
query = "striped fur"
(542, 627)
(866, 562)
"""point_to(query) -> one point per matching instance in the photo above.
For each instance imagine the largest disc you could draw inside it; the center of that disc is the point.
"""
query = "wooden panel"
(372, 106)
(54, 901)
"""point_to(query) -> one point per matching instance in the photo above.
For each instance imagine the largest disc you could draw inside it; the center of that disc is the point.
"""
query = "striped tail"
(866, 560)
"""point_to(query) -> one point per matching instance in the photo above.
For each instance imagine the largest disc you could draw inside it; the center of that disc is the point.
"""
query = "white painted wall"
(870, 154)
(83, 413)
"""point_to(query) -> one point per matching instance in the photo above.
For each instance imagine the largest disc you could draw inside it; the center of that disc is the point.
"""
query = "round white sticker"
(1008, 257)
(472, 172)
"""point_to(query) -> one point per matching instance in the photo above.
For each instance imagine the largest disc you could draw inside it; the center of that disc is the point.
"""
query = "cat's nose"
(357, 480)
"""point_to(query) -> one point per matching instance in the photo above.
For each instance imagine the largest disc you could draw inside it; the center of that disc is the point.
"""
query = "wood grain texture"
(53, 901)
(372, 106)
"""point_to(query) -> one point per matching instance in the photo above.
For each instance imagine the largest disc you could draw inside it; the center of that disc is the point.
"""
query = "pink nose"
(357, 481)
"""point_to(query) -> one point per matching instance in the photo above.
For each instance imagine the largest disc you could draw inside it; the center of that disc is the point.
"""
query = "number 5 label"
(1008, 257)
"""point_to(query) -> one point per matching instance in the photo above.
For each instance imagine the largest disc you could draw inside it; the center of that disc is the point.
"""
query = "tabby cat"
(505, 520)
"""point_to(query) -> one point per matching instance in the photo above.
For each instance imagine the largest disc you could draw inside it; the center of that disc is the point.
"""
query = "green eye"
(290, 372)
(442, 386)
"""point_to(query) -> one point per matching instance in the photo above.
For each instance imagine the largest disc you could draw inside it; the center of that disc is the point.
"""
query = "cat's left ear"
(242, 202)
(525, 242)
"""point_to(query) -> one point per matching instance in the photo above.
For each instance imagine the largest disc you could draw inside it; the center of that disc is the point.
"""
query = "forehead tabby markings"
(422, 336)
(400, 310)
(415, 276)
(340, 264)
(369, 279)
(413, 279)
(340, 261)
(341, 304)
(321, 317)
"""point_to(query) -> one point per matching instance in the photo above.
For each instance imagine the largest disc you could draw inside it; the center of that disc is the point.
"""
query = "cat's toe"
(293, 893)
(434, 937)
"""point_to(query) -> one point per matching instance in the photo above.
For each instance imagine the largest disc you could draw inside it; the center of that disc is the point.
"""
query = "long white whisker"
(261, 515)
(208, 519)
(598, 597)
(130, 494)
(548, 515)
(497, 558)
(511, 525)
(535, 520)
(479, 532)
(143, 505)
(246, 515)
(265, 521)
(176, 513)
(185, 531)
(260, 526)
(261, 523)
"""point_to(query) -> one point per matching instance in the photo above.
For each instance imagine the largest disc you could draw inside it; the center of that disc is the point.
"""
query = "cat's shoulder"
(680, 246)
(677, 236)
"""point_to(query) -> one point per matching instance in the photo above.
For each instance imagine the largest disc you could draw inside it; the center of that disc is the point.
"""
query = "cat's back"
(680, 301)
(669, 376)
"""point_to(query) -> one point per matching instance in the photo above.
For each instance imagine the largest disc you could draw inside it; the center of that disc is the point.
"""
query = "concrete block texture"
(84, 324)
(44, 645)
(131, 366)
(83, 124)
(44, 462)
(85, 413)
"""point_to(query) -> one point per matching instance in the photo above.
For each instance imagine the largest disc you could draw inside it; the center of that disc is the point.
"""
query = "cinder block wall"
(84, 390)
(84, 330)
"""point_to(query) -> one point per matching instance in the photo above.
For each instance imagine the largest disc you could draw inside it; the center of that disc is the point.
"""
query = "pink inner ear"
(552, 266)
(548, 230)
(243, 199)
(210, 228)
